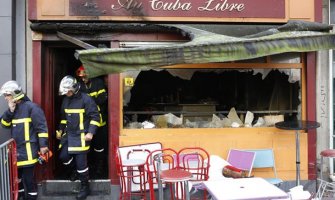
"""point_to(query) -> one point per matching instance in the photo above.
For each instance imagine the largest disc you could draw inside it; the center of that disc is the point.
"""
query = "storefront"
(196, 98)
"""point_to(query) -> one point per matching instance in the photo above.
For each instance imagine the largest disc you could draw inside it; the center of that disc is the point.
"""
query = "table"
(175, 176)
(171, 175)
(244, 189)
(297, 125)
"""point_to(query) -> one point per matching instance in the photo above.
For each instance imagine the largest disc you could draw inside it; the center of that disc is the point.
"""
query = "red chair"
(197, 161)
(162, 165)
(131, 172)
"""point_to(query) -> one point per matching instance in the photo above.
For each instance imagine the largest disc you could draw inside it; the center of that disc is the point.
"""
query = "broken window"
(204, 98)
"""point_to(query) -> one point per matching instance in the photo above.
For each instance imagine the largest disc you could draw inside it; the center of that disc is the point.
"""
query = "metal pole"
(186, 191)
(297, 144)
(160, 187)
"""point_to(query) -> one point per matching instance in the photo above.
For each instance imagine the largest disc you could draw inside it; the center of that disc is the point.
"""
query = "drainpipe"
(331, 114)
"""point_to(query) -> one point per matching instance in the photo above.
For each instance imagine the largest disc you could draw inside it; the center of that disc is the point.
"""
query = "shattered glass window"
(211, 98)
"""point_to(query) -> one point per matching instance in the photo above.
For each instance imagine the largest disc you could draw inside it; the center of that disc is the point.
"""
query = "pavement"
(103, 190)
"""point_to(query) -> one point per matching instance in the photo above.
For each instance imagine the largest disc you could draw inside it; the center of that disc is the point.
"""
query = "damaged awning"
(208, 47)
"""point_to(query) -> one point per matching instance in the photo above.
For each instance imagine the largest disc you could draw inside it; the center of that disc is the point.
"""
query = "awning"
(208, 47)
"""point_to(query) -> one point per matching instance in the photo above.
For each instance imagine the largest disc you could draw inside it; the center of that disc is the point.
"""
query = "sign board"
(179, 8)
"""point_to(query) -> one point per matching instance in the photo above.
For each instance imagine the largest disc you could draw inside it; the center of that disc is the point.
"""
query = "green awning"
(208, 47)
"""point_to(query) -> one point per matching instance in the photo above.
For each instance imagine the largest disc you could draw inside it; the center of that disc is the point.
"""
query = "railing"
(8, 171)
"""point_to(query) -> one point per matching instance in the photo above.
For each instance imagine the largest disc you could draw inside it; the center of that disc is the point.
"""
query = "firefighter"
(79, 122)
(30, 132)
(95, 87)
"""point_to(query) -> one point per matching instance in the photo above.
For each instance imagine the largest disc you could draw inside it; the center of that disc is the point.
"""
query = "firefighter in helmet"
(79, 122)
(95, 87)
(30, 132)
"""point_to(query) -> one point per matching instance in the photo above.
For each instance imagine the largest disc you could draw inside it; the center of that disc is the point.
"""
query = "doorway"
(58, 61)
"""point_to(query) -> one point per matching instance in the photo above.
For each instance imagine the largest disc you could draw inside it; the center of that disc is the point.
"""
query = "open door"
(58, 61)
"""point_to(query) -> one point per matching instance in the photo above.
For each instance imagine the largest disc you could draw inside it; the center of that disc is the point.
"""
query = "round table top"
(297, 125)
(175, 175)
(133, 162)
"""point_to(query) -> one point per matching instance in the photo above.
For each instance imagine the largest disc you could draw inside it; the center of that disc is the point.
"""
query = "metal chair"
(131, 172)
(265, 159)
(325, 187)
(197, 161)
(328, 153)
(241, 159)
(157, 164)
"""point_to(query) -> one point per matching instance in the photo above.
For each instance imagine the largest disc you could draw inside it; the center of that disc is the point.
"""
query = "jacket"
(79, 115)
(97, 90)
(29, 130)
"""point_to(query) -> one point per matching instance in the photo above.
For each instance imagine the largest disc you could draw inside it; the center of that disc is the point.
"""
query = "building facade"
(199, 90)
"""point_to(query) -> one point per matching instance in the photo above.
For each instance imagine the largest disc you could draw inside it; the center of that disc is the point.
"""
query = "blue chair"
(265, 159)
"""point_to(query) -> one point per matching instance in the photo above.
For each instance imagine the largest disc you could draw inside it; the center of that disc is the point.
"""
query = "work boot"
(84, 191)
(84, 186)
(21, 195)
(31, 197)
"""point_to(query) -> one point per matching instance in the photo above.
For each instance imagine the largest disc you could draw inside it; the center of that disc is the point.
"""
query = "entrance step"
(67, 190)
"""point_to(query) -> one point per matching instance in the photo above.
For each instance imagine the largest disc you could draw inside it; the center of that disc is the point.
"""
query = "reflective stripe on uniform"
(82, 139)
(95, 94)
(26, 162)
(83, 143)
(68, 162)
(81, 116)
(18, 97)
(79, 148)
(5, 123)
(74, 110)
(82, 171)
(94, 123)
(26, 122)
(45, 135)
(98, 150)
(102, 123)
(63, 121)
(23, 120)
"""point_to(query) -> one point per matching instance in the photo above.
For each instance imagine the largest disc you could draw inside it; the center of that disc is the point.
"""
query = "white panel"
(6, 8)
(5, 35)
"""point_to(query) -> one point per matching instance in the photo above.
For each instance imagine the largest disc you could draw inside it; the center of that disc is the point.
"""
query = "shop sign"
(179, 8)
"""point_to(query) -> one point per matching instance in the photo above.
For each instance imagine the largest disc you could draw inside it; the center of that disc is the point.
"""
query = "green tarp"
(207, 47)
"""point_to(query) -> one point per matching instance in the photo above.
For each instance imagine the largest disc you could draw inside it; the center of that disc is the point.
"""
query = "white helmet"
(68, 83)
(12, 88)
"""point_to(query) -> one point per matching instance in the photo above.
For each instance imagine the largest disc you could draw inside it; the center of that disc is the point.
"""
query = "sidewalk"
(103, 190)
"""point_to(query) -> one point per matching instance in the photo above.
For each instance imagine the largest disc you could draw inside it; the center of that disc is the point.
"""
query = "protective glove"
(59, 134)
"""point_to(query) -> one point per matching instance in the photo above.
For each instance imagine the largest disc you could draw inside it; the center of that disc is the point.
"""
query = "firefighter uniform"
(79, 116)
(97, 90)
(30, 132)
